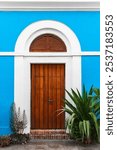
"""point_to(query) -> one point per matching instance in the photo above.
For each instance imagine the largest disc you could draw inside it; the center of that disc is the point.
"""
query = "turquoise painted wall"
(86, 26)
(6, 92)
(91, 71)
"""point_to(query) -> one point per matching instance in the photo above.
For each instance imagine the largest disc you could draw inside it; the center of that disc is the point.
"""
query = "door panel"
(47, 93)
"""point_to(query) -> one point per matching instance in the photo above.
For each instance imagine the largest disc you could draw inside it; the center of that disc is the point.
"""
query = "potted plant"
(84, 111)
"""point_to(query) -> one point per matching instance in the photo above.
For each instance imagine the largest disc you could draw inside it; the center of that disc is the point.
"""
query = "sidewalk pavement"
(52, 145)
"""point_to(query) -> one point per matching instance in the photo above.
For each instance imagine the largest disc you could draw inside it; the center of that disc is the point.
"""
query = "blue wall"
(91, 71)
(6, 91)
(86, 26)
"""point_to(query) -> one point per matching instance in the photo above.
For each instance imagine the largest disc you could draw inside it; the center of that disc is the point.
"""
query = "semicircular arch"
(47, 27)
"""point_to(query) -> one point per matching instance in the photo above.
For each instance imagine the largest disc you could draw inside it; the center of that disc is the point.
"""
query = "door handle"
(50, 100)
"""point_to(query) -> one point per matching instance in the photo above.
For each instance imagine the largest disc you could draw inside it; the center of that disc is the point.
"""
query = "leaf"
(68, 111)
(91, 90)
(81, 129)
(84, 127)
(88, 129)
(95, 122)
(70, 106)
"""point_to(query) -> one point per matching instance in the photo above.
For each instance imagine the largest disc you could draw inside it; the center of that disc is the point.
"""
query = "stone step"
(55, 136)
(49, 134)
(61, 131)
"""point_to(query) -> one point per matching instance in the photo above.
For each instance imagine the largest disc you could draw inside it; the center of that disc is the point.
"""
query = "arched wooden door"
(47, 87)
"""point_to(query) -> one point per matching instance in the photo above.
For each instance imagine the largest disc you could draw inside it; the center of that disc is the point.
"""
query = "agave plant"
(84, 110)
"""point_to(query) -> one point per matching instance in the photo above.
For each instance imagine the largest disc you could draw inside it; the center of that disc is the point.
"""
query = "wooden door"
(47, 93)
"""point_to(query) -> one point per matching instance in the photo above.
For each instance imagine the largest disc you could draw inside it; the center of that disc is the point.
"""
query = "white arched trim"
(23, 62)
(42, 27)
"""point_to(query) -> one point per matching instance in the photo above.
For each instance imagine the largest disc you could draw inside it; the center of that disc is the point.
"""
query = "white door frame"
(23, 61)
